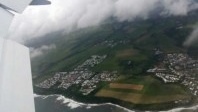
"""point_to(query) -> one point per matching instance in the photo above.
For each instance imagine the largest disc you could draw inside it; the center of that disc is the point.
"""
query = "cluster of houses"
(112, 43)
(164, 74)
(168, 77)
(94, 60)
(48, 83)
(178, 67)
(89, 85)
(74, 77)
(81, 75)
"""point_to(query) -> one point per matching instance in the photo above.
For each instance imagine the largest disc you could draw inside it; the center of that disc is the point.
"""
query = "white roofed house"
(16, 92)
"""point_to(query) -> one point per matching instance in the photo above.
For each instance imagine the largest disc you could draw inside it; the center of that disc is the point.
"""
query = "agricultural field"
(126, 53)
(126, 86)
(144, 90)
(136, 98)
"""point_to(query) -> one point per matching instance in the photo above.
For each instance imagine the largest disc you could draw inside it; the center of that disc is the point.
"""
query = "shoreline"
(75, 104)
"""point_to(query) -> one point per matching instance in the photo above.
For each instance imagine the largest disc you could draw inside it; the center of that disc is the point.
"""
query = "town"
(112, 43)
(82, 76)
(178, 68)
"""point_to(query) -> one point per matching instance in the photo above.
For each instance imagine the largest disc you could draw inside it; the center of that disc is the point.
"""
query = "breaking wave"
(74, 104)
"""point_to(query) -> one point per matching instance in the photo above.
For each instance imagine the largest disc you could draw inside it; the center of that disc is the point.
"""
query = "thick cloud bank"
(66, 15)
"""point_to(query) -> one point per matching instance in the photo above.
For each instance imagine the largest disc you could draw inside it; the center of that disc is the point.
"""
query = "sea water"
(58, 103)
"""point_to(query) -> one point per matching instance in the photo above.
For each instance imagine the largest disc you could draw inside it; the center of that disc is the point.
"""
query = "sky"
(68, 15)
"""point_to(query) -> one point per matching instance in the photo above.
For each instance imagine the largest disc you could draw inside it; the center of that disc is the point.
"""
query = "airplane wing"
(16, 5)
(16, 91)
(6, 19)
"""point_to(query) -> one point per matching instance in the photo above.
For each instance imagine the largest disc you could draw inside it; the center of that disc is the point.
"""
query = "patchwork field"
(139, 98)
(144, 90)
(126, 53)
(126, 86)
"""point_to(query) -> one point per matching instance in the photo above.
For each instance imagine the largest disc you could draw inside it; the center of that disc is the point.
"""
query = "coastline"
(74, 104)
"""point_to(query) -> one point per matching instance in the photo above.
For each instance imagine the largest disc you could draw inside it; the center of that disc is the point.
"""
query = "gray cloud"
(193, 38)
(34, 52)
(67, 15)
(179, 7)
(130, 9)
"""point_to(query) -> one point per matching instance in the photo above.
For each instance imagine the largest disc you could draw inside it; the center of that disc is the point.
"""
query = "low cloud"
(131, 9)
(179, 7)
(192, 39)
(68, 15)
(35, 52)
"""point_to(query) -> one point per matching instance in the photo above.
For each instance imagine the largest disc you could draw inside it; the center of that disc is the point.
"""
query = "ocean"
(58, 103)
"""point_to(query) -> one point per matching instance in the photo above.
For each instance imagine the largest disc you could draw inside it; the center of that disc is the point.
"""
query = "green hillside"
(142, 37)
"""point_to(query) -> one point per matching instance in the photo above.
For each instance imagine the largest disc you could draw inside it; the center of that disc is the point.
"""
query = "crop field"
(143, 90)
(137, 98)
(126, 86)
(126, 53)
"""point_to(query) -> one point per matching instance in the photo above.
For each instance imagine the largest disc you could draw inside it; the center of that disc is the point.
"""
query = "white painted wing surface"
(5, 21)
(16, 5)
(16, 91)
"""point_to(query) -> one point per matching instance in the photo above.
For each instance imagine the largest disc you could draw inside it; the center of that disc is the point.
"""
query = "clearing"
(126, 86)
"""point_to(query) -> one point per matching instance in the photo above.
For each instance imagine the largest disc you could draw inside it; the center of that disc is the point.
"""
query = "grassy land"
(153, 91)
(140, 98)
(154, 86)
(126, 53)
(142, 36)
(126, 86)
